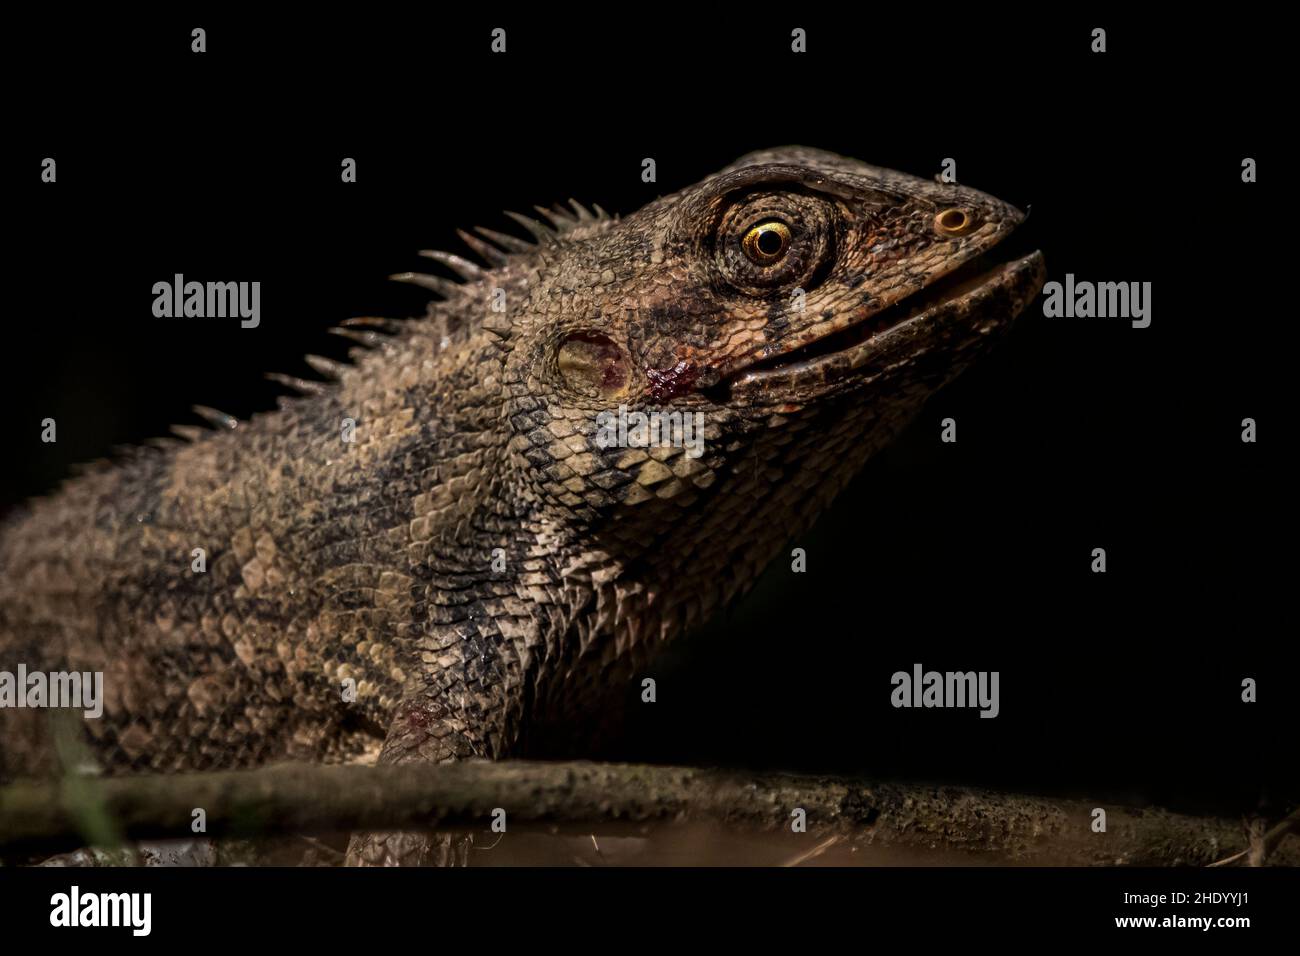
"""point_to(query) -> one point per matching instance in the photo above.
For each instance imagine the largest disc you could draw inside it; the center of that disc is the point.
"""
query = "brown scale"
(378, 563)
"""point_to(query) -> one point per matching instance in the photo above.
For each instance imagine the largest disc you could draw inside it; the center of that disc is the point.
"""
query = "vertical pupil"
(769, 242)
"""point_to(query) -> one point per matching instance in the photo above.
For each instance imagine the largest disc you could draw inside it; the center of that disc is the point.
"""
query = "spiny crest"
(370, 332)
(217, 419)
(496, 249)
(499, 247)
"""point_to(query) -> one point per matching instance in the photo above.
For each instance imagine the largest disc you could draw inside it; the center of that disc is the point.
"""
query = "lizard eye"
(954, 222)
(766, 242)
(773, 240)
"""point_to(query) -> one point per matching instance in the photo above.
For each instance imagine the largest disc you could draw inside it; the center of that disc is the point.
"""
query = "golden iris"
(767, 242)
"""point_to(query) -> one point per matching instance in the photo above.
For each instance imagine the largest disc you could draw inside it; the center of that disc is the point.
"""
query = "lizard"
(477, 560)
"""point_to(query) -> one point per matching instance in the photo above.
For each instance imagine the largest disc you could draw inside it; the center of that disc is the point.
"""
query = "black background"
(1075, 434)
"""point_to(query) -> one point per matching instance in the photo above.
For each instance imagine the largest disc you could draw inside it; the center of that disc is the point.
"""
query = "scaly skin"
(476, 430)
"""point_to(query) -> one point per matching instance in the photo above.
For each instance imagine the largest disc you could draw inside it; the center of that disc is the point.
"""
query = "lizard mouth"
(983, 294)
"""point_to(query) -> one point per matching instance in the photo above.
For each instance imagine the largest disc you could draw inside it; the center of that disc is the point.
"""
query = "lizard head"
(793, 286)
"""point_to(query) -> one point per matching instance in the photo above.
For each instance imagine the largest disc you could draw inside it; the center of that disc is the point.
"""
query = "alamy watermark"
(631, 429)
(208, 300)
(54, 689)
(1082, 299)
(948, 689)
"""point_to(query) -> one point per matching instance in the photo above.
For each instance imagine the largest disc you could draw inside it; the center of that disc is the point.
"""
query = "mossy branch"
(305, 799)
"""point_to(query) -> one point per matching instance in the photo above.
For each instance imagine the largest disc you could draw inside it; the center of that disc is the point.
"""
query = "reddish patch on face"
(419, 715)
(667, 384)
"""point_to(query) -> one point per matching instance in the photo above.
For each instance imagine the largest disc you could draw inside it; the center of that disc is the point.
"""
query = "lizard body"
(475, 560)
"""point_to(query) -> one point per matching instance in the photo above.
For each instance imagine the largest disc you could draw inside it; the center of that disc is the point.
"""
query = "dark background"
(1075, 434)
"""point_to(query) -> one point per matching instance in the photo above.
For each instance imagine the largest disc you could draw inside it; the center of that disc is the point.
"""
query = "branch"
(462, 796)
(1262, 845)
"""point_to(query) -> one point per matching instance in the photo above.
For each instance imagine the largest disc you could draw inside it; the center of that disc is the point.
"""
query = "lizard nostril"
(954, 222)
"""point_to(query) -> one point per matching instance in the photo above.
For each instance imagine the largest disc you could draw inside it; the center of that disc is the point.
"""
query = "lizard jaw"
(983, 302)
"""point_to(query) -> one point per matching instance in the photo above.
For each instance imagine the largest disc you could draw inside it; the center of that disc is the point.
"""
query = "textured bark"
(1015, 828)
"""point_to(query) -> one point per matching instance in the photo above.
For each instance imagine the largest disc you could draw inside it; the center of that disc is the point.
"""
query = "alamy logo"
(55, 689)
(208, 300)
(103, 909)
(1098, 300)
(949, 689)
(654, 430)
